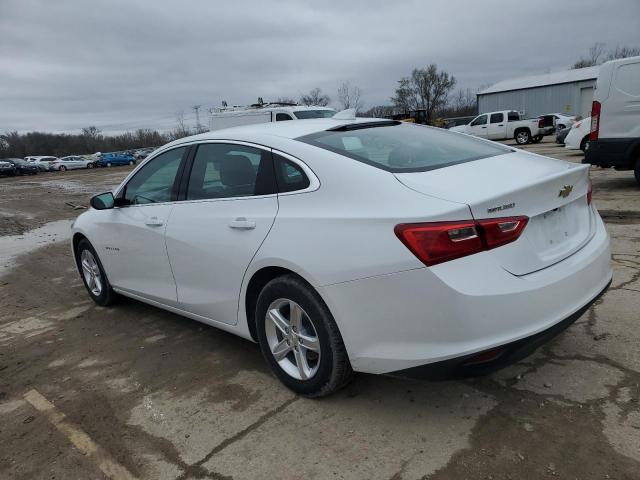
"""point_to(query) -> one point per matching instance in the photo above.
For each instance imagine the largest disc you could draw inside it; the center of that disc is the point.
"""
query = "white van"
(227, 117)
(614, 140)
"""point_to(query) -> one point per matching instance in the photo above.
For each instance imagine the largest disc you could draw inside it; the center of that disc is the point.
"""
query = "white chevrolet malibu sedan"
(342, 245)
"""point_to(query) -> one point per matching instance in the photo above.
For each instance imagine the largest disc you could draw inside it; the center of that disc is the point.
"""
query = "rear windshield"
(305, 114)
(403, 147)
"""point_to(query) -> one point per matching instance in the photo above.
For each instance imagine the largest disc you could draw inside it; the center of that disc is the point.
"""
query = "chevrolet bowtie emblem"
(565, 191)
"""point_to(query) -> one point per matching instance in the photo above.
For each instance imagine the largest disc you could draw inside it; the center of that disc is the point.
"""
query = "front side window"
(497, 117)
(401, 147)
(306, 114)
(280, 117)
(223, 170)
(481, 120)
(153, 183)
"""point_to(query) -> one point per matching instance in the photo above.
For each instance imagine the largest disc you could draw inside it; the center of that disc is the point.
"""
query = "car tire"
(132, 162)
(560, 127)
(104, 295)
(63, 168)
(536, 139)
(522, 137)
(584, 142)
(108, 164)
(89, 165)
(319, 349)
(636, 170)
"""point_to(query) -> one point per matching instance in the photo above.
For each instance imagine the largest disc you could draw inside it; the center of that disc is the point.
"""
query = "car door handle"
(484, 127)
(501, 125)
(242, 223)
(154, 222)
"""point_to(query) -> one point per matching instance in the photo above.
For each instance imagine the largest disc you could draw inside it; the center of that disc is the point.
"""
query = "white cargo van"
(614, 140)
(227, 117)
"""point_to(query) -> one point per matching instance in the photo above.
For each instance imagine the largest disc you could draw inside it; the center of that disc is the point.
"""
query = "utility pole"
(196, 108)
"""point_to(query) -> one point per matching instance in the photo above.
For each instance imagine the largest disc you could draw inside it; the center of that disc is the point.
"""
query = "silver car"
(70, 163)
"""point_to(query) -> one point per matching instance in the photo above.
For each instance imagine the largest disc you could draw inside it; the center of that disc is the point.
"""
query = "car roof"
(290, 130)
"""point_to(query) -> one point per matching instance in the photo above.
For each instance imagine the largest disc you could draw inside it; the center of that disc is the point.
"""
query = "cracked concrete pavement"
(136, 392)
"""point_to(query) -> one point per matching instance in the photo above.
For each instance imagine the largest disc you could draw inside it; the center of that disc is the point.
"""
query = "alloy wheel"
(91, 272)
(292, 338)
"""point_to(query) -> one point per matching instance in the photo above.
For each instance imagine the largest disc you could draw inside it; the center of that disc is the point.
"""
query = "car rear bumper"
(611, 152)
(457, 309)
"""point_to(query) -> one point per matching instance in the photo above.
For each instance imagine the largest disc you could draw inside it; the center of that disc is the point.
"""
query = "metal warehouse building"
(569, 92)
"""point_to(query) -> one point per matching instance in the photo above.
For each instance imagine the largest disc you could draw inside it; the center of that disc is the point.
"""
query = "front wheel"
(300, 339)
(131, 162)
(108, 164)
(63, 168)
(89, 165)
(93, 276)
(523, 137)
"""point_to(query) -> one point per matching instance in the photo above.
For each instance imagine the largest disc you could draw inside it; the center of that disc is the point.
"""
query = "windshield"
(403, 147)
(305, 114)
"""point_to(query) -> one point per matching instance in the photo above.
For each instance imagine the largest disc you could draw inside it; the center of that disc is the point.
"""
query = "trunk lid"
(552, 193)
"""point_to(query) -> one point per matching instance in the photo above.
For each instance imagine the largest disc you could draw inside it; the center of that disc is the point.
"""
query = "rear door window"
(497, 118)
(280, 117)
(222, 170)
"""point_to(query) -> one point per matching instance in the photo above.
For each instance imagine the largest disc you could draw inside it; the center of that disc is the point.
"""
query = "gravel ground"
(136, 392)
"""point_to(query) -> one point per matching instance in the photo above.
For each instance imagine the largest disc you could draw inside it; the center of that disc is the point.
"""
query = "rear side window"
(628, 79)
(497, 118)
(223, 170)
(290, 177)
(402, 147)
(280, 117)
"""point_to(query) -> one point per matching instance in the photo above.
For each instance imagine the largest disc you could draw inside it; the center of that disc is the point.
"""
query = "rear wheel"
(131, 162)
(93, 276)
(584, 144)
(108, 164)
(63, 168)
(536, 139)
(300, 339)
(89, 165)
(523, 137)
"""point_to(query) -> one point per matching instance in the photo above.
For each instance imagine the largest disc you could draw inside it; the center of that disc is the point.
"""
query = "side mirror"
(102, 201)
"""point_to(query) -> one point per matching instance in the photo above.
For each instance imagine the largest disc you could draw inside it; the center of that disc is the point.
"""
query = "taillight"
(438, 242)
(589, 192)
(541, 123)
(595, 121)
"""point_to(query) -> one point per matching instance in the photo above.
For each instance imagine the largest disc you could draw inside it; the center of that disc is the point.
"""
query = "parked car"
(117, 158)
(71, 162)
(7, 168)
(561, 135)
(562, 121)
(353, 244)
(502, 126)
(142, 153)
(42, 162)
(22, 166)
(578, 136)
(615, 117)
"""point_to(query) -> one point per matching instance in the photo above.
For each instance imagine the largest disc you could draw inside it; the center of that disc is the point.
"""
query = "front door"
(229, 207)
(131, 236)
(479, 126)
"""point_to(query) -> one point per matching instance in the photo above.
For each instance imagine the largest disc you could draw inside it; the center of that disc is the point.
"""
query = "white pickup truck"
(502, 126)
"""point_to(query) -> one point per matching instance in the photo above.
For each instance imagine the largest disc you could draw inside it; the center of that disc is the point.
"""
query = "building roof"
(566, 76)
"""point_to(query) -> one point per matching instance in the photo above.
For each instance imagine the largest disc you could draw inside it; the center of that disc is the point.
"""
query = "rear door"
(478, 126)
(497, 126)
(229, 204)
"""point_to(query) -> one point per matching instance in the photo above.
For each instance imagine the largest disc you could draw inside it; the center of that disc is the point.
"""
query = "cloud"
(121, 65)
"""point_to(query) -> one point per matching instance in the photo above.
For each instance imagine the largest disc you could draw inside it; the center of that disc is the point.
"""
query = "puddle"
(12, 246)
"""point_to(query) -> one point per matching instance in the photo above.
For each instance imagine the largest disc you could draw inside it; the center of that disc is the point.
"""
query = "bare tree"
(426, 89)
(92, 136)
(181, 129)
(349, 96)
(622, 52)
(315, 98)
(595, 52)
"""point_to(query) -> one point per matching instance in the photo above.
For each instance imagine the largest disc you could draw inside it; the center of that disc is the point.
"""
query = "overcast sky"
(125, 64)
